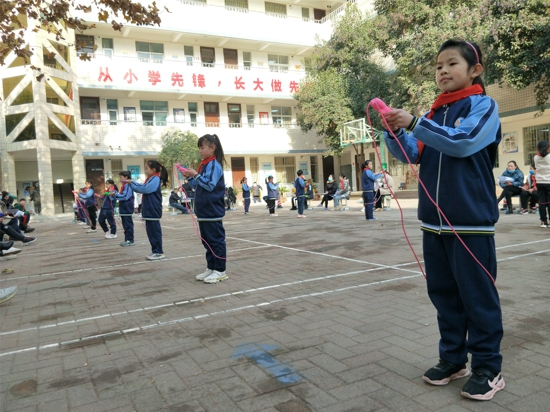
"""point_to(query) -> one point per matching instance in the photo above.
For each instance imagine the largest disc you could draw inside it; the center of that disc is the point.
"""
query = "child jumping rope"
(456, 143)
(246, 195)
(90, 204)
(107, 212)
(367, 184)
(126, 209)
(209, 185)
(151, 201)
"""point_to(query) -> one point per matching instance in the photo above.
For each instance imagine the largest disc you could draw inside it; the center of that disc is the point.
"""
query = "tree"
(14, 15)
(179, 147)
(411, 32)
(518, 39)
(342, 76)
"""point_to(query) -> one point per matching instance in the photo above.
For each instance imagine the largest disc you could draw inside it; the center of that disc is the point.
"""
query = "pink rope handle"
(193, 219)
(383, 106)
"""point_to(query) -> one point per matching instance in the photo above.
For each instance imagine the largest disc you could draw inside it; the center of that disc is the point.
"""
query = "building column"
(45, 177)
(9, 181)
(79, 170)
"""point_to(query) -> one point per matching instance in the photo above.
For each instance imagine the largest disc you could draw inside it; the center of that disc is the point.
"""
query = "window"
(281, 115)
(89, 110)
(116, 168)
(85, 44)
(237, 5)
(112, 109)
(52, 100)
(193, 113)
(285, 169)
(531, 137)
(250, 114)
(150, 52)
(305, 14)
(313, 168)
(275, 9)
(189, 55)
(254, 168)
(107, 45)
(234, 114)
(277, 63)
(247, 60)
(153, 113)
(208, 56)
(230, 58)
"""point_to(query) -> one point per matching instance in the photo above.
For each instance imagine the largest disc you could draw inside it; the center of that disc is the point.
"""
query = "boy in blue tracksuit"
(300, 184)
(126, 209)
(151, 204)
(246, 195)
(107, 212)
(367, 185)
(209, 185)
(456, 144)
(272, 195)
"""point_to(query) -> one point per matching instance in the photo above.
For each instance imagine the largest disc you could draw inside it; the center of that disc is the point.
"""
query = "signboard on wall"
(267, 170)
(509, 142)
(304, 167)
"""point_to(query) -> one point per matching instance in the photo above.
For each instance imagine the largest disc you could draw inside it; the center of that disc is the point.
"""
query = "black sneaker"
(482, 385)
(28, 240)
(444, 372)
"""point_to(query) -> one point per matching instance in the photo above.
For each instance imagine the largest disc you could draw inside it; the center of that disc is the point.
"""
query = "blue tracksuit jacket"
(151, 201)
(125, 201)
(456, 165)
(299, 184)
(88, 197)
(367, 180)
(246, 191)
(209, 188)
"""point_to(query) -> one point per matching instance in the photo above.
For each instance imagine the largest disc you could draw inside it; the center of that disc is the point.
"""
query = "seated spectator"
(512, 187)
(343, 191)
(293, 199)
(383, 190)
(231, 198)
(8, 199)
(9, 230)
(175, 199)
(529, 192)
(329, 193)
(26, 218)
(309, 194)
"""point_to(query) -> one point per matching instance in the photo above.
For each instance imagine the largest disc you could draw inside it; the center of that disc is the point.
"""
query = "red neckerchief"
(206, 161)
(342, 185)
(122, 187)
(448, 98)
(154, 174)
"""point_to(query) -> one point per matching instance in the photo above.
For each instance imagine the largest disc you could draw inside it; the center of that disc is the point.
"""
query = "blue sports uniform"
(151, 210)
(107, 213)
(126, 211)
(246, 197)
(367, 185)
(209, 187)
(300, 184)
(457, 169)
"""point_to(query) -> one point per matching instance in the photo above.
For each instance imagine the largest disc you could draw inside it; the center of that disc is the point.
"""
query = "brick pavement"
(333, 300)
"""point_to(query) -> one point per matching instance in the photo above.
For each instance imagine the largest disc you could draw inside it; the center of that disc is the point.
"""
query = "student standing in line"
(367, 185)
(151, 204)
(300, 184)
(91, 205)
(246, 195)
(126, 208)
(107, 212)
(209, 185)
(272, 195)
(459, 137)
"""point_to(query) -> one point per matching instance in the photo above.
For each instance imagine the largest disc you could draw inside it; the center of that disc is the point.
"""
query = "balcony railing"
(185, 125)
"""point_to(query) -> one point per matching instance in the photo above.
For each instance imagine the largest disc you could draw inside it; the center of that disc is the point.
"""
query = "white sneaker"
(111, 236)
(216, 277)
(11, 251)
(204, 275)
(81, 223)
(155, 256)
(91, 231)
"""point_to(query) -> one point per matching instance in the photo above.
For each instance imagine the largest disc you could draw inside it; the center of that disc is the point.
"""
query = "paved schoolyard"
(327, 313)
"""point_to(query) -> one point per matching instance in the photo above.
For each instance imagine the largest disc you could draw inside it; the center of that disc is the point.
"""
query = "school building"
(225, 67)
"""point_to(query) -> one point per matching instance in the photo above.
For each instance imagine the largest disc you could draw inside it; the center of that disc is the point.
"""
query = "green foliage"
(412, 31)
(12, 120)
(179, 147)
(342, 76)
(519, 44)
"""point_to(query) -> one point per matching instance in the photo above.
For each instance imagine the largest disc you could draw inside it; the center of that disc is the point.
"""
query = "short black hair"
(300, 172)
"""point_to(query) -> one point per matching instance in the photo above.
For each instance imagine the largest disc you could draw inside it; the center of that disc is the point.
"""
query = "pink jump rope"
(381, 107)
(193, 219)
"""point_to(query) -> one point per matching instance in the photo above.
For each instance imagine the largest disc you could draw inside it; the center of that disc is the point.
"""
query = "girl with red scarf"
(209, 185)
(456, 144)
(151, 201)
